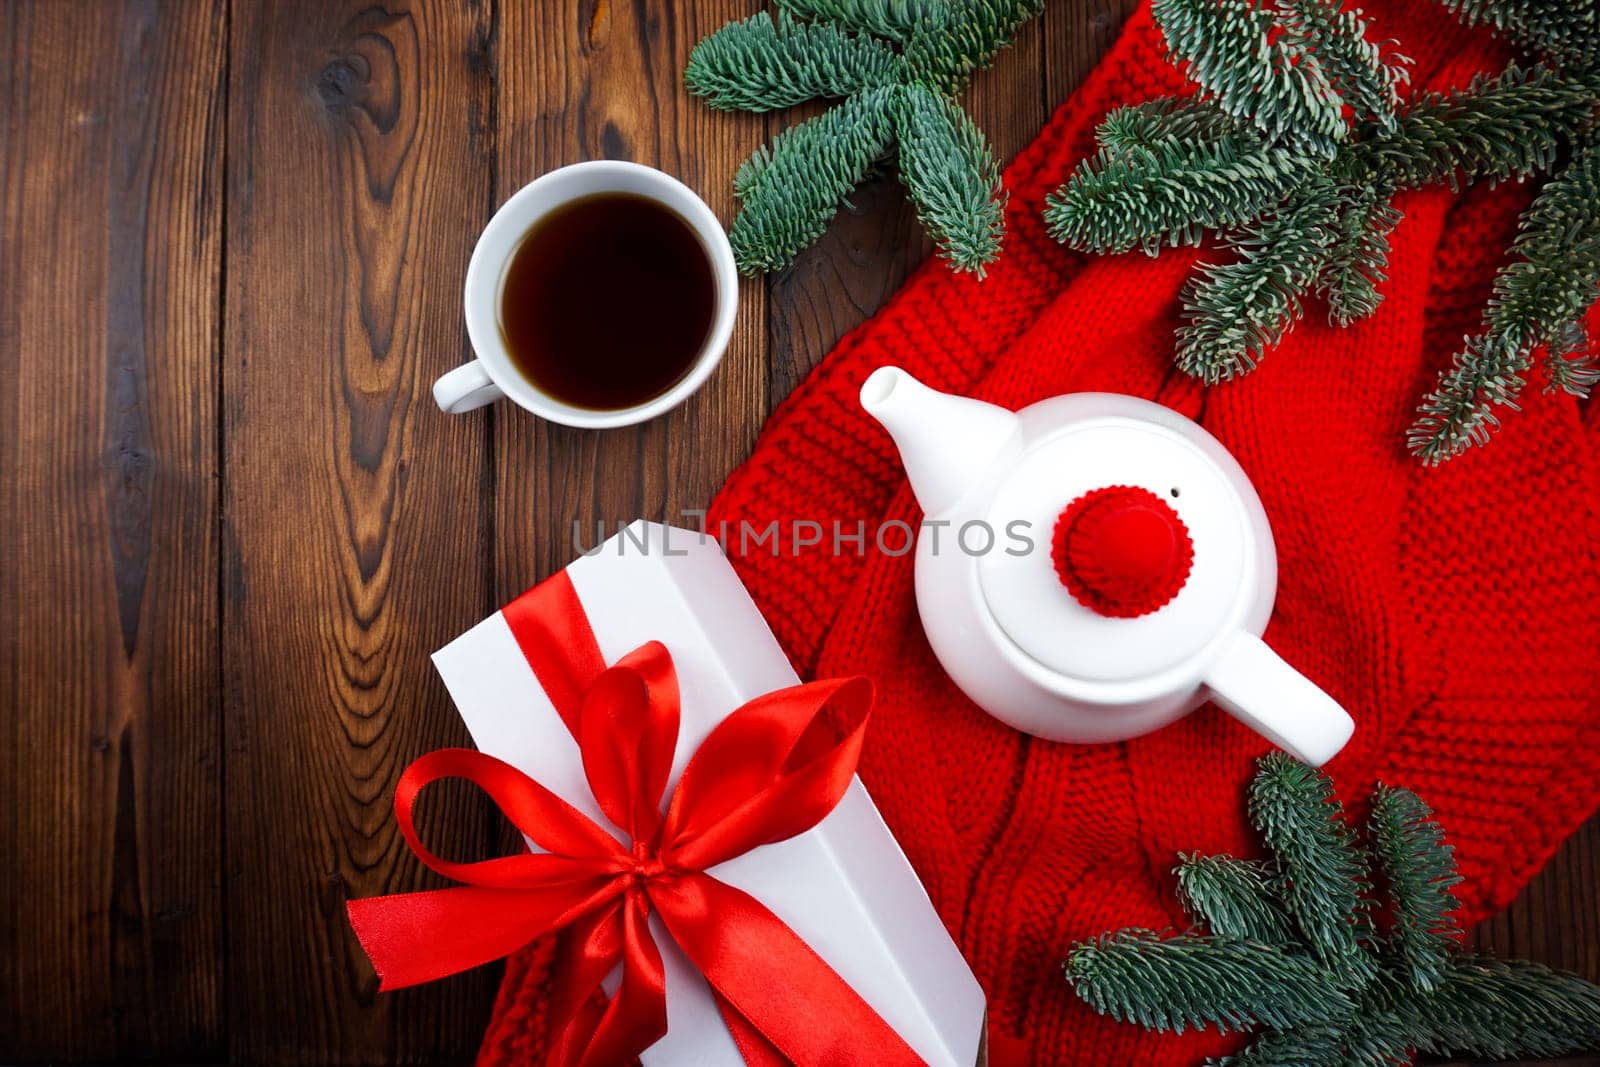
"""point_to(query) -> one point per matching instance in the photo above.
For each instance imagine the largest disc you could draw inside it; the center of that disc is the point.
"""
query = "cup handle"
(1258, 688)
(468, 386)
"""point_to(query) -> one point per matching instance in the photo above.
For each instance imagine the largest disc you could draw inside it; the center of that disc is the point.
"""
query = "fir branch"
(1460, 412)
(1232, 898)
(1510, 126)
(1307, 1045)
(1380, 1032)
(1504, 1010)
(952, 176)
(1357, 69)
(762, 65)
(1230, 48)
(1324, 877)
(895, 63)
(1421, 872)
(1358, 258)
(1557, 275)
(1555, 278)
(1374, 1040)
(1160, 122)
(893, 20)
(1170, 193)
(1235, 311)
(1190, 981)
(1312, 1007)
(1568, 29)
(1172, 170)
(1569, 362)
(966, 41)
(791, 190)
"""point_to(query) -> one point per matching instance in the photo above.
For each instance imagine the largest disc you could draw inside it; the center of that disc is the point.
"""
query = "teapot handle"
(1258, 688)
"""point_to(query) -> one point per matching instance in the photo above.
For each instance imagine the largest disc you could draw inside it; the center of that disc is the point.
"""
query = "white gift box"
(844, 886)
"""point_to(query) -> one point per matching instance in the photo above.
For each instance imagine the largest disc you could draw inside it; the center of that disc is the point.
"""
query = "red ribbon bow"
(769, 771)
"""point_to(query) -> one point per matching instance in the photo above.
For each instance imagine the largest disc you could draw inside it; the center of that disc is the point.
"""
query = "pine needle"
(1170, 193)
(1358, 258)
(1536, 297)
(1310, 981)
(1304, 1046)
(1232, 898)
(1232, 48)
(1569, 363)
(1234, 312)
(893, 20)
(1323, 876)
(1162, 122)
(897, 64)
(1295, 99)
(1511, 1010)
(1498, 128)
(791, 191)
(762, 65)
(1568, 29)
(1359, 72)
(1189, 981)
(952, 176)
(1421, 872)
(965, 41)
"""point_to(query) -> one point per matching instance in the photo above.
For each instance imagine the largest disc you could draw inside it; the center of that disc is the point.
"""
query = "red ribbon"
(769, 771)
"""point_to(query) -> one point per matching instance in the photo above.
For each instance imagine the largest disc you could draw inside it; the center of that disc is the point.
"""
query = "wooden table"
(235, 524)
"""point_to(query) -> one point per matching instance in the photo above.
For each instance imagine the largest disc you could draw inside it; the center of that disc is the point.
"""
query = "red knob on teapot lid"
(1122, 551)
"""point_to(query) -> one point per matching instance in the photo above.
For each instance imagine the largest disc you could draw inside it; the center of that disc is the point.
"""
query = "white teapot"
(1129, 572)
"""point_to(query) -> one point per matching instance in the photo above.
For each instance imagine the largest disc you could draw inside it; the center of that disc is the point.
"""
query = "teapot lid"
(1148, 540)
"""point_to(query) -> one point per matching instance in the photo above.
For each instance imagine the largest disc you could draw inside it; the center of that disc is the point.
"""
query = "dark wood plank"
(601, 79)
(1077, 34)
(1556, 918)
(356, 519)
(110, 162)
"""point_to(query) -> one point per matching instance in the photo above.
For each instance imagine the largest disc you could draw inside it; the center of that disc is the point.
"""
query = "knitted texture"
(1455, 611)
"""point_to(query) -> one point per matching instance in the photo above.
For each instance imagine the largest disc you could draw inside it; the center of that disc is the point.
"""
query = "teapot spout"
(947, 443)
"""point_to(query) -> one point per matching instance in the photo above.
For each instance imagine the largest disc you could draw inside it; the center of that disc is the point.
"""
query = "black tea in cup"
(607, 301)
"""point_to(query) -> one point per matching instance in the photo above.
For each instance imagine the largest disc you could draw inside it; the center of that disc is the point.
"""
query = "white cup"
(492, 375)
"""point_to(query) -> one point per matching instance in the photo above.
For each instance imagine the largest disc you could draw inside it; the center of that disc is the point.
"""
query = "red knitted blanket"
(1455, 612)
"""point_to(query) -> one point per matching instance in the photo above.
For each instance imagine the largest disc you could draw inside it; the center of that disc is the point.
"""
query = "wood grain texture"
(1076, 36)
(110, 162)
(1556, 918)
(235, 525)
(602, 79)
(358, 173)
